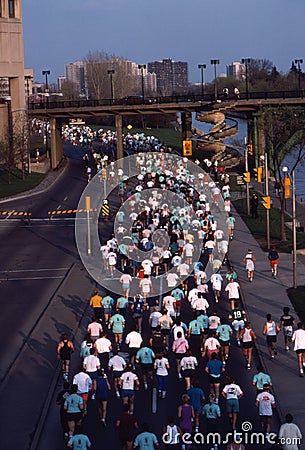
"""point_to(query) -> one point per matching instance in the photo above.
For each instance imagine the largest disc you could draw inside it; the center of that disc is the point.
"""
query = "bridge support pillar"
(119, 131)
(186, 125)
(56, 142)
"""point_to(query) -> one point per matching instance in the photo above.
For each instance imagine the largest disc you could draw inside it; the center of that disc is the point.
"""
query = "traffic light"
(250, 149)
(187, 148)
(287, 187)
(258, 172)
(247, 177)
(267, 202)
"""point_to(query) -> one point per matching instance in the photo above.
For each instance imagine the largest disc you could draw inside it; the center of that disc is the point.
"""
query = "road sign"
(287, 187)
(240, 180)
(187, 148)
(247, 177)
(105, 210)
(267, 202)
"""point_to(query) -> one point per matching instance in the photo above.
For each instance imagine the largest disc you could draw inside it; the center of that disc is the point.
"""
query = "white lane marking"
(58, 207)
(65, 198)
(154, 401)
(32, 278)
(33, 270)
(9, 215)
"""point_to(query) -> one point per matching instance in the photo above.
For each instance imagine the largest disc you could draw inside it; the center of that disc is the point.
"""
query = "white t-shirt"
(188, 363)
(160, 365)
(147, 266)
(200, 304)
(92, 363)
(265, 400)
(134, 339)
(232, 391)
(103, 345)
(214, 322)
(117, 363)
(233, 289)
(172, 279)
(298, 338)
(201, 276)
(111, 258)
(83, 382)
(212, 343)
(188, 250)
(169, 302)
(145, 285)
(216, 280)
(183, 269)
(219, 234)
(125, 278)
(95, 328)
(129, 380)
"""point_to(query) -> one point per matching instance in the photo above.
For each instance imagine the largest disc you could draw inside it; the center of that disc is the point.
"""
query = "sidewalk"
(269, 295)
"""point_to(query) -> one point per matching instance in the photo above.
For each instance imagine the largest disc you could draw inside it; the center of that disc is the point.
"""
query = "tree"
(284, 131)
(98, 79)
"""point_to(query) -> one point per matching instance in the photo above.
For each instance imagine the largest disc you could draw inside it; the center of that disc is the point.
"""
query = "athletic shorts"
(127, 393)
(238, 324)
(224, 343)
(165, 332)
(74, 417)
(300, 351)
(179, 356)
(214, 380)
(147, 367)
(126, 286)
(232, 405)
(84, 396)
(271, 339)
(117, 373)
(188, 373)
(248, 344)
(107, 310)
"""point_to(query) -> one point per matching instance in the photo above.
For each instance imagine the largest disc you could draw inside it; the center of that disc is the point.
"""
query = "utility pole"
(267, 195)
(246, 170)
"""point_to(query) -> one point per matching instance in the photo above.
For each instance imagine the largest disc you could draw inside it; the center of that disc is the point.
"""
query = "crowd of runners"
(140, 337)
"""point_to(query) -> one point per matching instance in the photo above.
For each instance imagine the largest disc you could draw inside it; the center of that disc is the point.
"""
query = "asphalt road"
(44, 291)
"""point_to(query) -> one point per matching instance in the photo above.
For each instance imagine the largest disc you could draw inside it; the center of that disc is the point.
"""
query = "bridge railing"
(193, 98)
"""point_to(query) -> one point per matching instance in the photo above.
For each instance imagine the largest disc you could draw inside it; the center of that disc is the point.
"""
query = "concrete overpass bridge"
(248, 106)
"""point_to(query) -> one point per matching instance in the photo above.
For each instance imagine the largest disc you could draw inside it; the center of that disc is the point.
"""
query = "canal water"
(289, 161)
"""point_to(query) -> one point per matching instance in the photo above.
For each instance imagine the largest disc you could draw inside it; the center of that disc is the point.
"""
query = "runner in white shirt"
(216, 280)
(188, 251)
(232, 289)
(112, 259)
(145, 286)
(172, 279)
(200, 277)
(200, 304)
(298, 338)
(169, 303)
(129, 382)
(147, 265)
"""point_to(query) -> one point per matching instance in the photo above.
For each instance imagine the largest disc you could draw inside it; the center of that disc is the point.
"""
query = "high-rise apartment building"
(75, 73)
(171, 76)
(237, 71)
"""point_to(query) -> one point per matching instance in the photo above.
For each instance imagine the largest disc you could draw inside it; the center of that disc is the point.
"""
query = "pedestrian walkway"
(269, 295)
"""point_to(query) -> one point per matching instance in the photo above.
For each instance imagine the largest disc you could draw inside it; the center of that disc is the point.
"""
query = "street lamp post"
(294, 226)
(46, 73)
(111, 72)
(246, 170)
(264, 158)
(214, 62)
(142, 67)
(202, 67)
(299, 62)
(246, 61)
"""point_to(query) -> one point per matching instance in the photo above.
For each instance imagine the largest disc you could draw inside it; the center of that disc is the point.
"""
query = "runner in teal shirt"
(79, 442)
(146, 440)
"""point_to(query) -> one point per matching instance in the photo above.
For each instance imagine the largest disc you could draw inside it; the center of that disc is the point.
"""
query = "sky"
(61, 32)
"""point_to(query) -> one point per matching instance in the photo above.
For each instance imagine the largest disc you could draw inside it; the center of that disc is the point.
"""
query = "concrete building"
(75, 73)
(12, 91)
(237, 71)
(60, 82)
(171, 76)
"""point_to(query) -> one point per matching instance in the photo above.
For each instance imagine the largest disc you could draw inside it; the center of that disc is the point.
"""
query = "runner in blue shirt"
(79, 442)
(146, 440)
(197, 397)
(145, 356)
